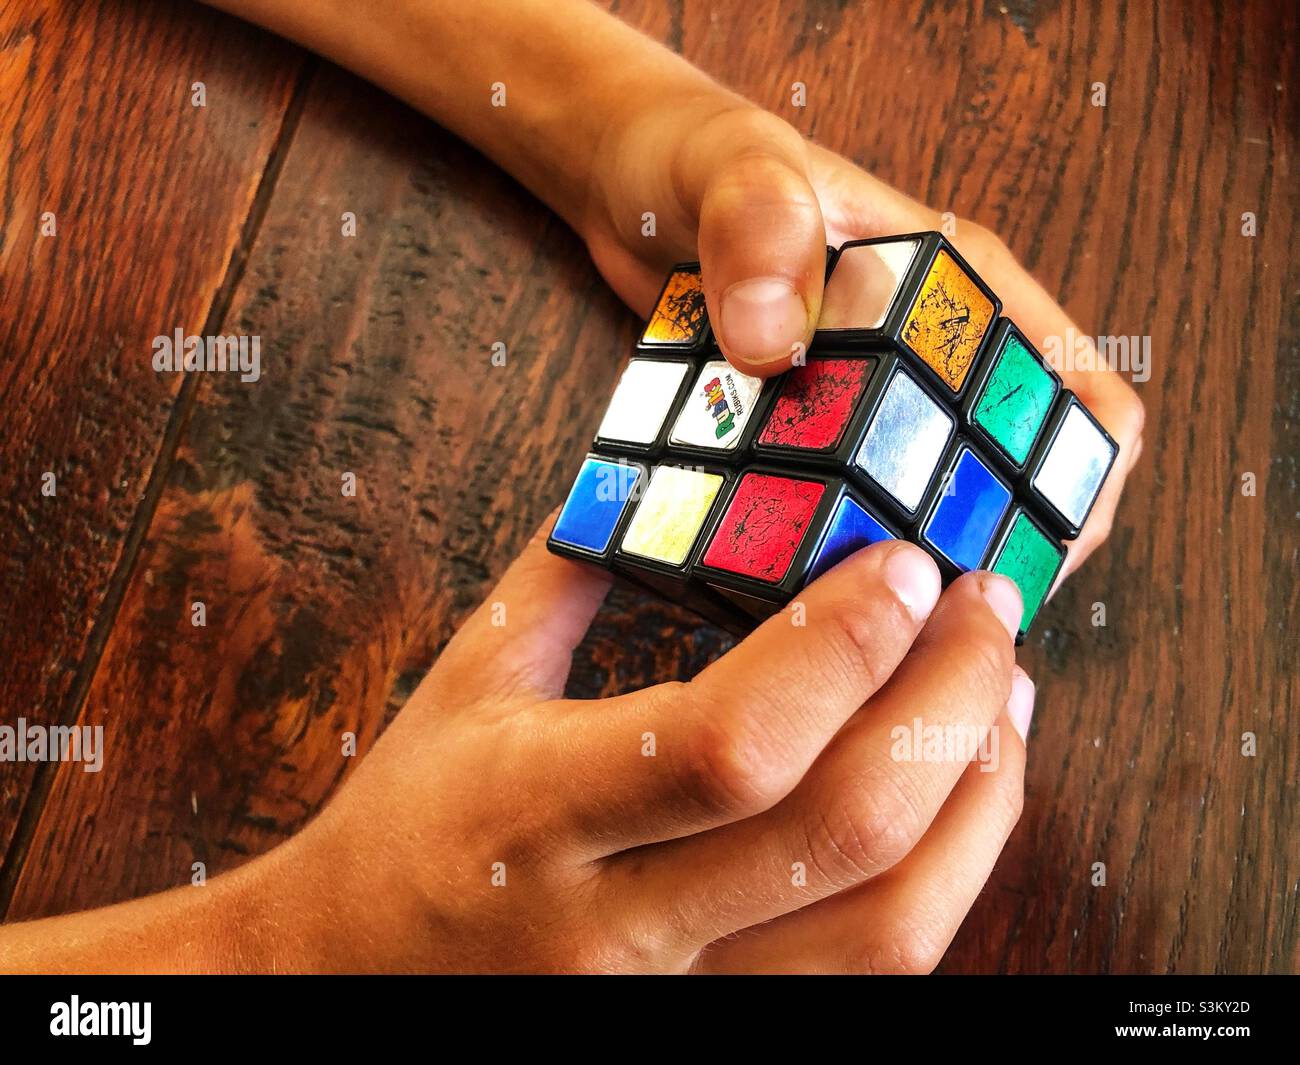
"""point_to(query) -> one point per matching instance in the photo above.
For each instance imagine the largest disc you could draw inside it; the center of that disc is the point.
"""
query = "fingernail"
(1003, 597)
(914, 578)
(761, 319)
(1020, 707)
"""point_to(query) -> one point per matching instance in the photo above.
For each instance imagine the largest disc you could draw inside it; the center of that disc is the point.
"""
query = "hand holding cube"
(918, 413)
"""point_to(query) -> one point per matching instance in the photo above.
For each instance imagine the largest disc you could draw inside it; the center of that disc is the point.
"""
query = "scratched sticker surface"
(679, 318)
(815, 403)
(764, 525)
(948, 320)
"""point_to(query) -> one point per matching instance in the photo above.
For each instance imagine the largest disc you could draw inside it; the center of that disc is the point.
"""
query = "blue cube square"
(966, 514)
(850, 529)
(596, 503)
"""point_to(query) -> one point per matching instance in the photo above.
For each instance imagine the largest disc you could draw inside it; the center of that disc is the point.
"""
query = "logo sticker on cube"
(948, 320)
(815, 403)
(905, 441)
(763, 526)
(642, 400)
(596, 501)
(672, 510)
(718, 408)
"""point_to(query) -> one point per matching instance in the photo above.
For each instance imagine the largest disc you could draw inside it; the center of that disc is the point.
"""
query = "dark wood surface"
(324, 610)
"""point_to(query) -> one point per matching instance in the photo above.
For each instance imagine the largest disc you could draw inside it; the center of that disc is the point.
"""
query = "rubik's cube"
(917, 413)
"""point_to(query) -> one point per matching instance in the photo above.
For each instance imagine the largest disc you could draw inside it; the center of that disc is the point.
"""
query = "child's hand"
(498, 826)
(742, 191)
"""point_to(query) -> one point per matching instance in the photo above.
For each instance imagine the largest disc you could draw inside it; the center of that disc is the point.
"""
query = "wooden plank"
(121, 208)
(323, 610)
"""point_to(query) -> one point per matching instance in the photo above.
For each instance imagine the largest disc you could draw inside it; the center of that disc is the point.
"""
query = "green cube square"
(1030, 558)
(1015, 399)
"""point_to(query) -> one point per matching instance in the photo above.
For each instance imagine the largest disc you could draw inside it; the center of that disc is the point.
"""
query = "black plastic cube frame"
(891, 330)
(706, 590)
(1039, 504)
(704, 601)
(981, 371)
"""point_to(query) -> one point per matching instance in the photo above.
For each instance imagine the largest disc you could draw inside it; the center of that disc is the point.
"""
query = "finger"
(681, 758)
(520, 640)
(762, 241)
(864, 804)
(904, 920)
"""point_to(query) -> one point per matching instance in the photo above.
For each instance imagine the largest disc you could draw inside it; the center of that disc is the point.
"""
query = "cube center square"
(918, 414)
(1012, 402)
(905, 440)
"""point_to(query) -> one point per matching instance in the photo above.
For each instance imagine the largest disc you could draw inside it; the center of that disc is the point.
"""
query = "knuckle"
(906, 946)
(982, 240)
(867, 831)
(760, 183)
(752, 126)
(589, 955)
(852, 643)
(726, 770)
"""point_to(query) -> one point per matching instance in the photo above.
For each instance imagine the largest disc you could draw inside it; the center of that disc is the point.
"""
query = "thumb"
(762, 241)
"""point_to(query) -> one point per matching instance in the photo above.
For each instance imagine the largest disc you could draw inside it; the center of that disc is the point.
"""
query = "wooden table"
(323, 611)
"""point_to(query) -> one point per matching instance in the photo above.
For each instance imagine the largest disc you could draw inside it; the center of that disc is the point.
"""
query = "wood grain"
(324, 610)
(149, 197)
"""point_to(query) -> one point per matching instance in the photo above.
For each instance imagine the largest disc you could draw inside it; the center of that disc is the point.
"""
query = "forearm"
(570, 72)
(250, 920)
